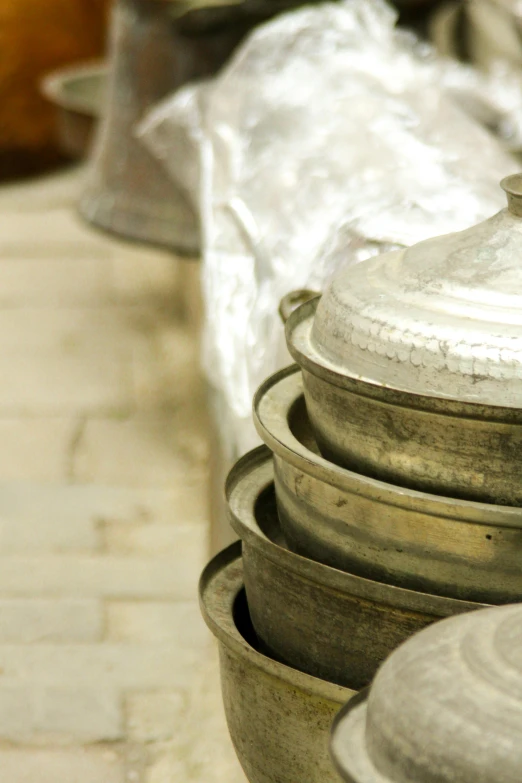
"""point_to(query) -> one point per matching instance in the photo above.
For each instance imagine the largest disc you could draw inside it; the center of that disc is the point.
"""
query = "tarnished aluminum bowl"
(78, 94)
(466, 550)
(325, 622)
(279, 718)
(412, 362)
(445, 708)
(461, 449)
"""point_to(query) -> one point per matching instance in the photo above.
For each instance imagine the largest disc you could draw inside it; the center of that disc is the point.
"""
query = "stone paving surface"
(107, 672)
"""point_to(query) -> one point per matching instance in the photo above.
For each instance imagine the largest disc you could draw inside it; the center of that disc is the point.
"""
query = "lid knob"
(512, 185)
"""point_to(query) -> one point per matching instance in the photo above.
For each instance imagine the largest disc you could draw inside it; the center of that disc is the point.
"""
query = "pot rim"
(54, 86)
(273, 403)
(298, 328)
(241, 500)
(354, 713)
(219, 586)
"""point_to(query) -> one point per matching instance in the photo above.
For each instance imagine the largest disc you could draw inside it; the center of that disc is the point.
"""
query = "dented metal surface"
(382, 531)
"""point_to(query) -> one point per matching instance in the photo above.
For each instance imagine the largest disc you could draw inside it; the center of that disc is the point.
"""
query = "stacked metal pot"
(389, 492)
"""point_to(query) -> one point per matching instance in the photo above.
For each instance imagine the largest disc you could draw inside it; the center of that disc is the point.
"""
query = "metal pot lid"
(441, 319)
(446, 707)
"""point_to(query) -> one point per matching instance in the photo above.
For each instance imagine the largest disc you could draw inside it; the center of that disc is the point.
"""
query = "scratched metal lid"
(446, 707)
(440, 319)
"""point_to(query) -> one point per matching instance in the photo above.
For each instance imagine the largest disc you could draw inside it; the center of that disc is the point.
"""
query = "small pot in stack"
(329, 623)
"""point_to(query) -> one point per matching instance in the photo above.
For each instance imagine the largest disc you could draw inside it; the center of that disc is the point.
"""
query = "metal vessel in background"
(153, 51)
(78, 95)
(456, 548)
(326, 622)
(494, 32)
(483, 32)
(412, 362)
(156, 47)
(279, 718)
(446, 706)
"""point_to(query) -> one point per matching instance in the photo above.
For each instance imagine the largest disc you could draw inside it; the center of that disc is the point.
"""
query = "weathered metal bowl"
(445, 707)
(412, 362)
(326, 622)
(279, 718)
(457, 548)
(78, 94)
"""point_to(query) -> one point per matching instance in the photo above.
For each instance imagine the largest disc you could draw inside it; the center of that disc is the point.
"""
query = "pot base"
(279, 718)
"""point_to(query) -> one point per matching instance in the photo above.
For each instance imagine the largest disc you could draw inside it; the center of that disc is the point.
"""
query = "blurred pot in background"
(153, 52)
(35, 38)
(77, 92)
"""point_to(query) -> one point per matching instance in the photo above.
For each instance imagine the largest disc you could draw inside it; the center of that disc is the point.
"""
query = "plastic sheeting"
(330, 137)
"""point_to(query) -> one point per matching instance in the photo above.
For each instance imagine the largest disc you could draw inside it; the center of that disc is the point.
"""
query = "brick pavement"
(107, 673)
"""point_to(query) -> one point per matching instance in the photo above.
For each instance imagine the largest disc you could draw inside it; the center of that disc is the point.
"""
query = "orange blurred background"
(37, 36)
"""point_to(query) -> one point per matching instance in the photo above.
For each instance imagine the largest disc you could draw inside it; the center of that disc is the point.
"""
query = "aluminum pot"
(78, 94)
(279, 718)
(457, 548)
(445, 707)
(326, 622)
(412, 362)
(153, 52)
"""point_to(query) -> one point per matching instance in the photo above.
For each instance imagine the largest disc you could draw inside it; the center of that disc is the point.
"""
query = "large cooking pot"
(457, 548)
(279, 718)
(446, 707)
(329, 623)
(412, 362)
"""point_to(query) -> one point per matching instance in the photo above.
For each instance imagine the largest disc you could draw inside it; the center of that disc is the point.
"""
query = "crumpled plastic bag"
(329, 137)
